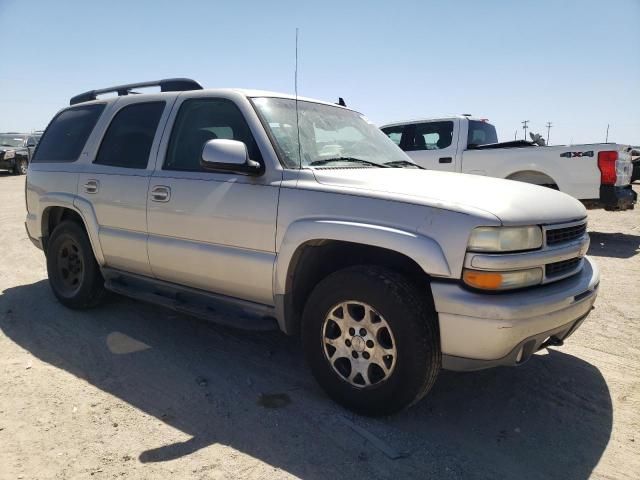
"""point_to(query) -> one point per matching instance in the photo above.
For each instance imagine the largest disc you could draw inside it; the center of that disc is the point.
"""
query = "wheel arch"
(535, 177)
(311, 250)
(55, 212)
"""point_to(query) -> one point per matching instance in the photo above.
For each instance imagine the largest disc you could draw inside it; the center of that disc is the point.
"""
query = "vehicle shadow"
(615, 245)
(551, 418)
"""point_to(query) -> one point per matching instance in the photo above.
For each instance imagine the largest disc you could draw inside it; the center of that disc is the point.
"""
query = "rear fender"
(83, 208)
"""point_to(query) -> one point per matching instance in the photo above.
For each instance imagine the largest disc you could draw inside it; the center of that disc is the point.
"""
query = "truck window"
(395, 133)
(67, 133)
(431, 136)
(481, 133)
(200, 120)
(129, 137)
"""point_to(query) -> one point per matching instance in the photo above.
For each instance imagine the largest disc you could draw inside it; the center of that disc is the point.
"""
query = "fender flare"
(423, 250)
(83, 208)
(534, 169)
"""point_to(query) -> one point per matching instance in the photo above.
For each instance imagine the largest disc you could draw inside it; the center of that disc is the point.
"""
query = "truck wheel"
(21, 166)
(74, 274)
(371, 339)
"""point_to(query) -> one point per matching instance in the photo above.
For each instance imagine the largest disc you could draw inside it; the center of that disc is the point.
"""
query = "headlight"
(505, 239)
(485, 280)
(9, 154)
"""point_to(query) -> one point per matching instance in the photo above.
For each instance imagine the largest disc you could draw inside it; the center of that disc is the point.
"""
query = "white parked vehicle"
(598, 174)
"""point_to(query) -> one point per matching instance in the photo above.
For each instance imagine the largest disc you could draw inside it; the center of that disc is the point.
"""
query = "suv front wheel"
(74, 274)
(371, 339)
(21, 166)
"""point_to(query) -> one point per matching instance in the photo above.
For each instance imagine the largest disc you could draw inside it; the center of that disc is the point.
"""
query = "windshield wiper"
(325, 161)
(403, 163)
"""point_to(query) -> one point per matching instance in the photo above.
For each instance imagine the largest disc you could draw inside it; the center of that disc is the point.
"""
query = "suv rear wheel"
(74, 274)
(371, 339)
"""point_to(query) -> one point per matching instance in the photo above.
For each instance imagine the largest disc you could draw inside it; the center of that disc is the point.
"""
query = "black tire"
(412, 320)
(74, 274)
(21, 166)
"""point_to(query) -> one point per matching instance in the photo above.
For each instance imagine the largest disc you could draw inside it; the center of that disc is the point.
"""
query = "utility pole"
(549, 125)
(606, 138)
(515, 135)
(524, 127)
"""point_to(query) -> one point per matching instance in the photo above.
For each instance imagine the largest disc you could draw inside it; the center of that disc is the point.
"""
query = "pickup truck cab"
(16, 150)
(261, 210)
(598, 174)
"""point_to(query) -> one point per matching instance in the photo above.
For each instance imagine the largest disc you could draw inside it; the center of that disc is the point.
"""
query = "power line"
(549, 125)
(524, 127)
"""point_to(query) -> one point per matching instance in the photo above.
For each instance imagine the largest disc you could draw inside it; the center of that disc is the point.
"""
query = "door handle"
(160, 193)
(445, 159)
(92, 186)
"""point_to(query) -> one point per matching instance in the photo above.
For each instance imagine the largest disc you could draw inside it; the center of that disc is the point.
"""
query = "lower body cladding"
(480, 331)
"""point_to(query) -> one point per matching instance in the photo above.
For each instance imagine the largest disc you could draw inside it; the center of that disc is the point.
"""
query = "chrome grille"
(565, 234)
(558, 269)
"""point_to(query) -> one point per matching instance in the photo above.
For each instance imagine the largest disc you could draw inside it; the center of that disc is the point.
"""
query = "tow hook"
(553, 341)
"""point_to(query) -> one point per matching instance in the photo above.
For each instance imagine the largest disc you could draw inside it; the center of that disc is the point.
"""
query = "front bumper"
(617, 198)
(479, 330)
(7, 164)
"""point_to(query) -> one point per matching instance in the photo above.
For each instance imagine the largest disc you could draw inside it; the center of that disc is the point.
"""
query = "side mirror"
(228, 156)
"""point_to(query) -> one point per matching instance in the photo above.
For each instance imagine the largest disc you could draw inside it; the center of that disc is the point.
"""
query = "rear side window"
(394, 133)
(67, 134)
(431, 136)
(481, 133)
(129, 137)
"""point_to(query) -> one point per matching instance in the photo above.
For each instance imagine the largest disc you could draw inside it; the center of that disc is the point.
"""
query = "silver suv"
(259, 210)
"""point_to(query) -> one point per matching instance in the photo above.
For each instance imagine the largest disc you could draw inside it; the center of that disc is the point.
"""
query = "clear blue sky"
(575, 63)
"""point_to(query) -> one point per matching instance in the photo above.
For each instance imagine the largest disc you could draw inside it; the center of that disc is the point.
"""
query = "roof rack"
(166, 85)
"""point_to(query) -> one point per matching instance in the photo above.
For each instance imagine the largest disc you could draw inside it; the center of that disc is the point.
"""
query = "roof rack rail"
(166, 85)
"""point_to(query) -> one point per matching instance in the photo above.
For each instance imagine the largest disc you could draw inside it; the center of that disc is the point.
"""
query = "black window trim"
(106, 130)
(35, 159)
(213, 172)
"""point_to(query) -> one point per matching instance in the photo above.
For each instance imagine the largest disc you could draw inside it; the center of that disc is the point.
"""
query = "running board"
(227, 311)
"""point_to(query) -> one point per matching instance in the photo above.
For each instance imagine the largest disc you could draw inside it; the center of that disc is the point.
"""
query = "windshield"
(481, 133)
(8, 140)
(329, 136)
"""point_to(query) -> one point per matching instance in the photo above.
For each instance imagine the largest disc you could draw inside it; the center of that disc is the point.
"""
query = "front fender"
(423, 250)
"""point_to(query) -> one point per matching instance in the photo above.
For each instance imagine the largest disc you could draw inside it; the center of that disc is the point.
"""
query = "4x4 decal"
(577, 154)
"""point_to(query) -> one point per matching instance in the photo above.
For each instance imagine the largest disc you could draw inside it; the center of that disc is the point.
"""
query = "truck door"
(432, 145)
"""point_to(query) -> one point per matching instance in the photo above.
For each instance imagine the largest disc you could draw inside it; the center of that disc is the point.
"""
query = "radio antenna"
(295, 81)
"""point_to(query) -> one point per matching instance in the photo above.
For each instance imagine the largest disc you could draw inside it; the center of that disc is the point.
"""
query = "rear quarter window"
(481, 133)
(66, 135)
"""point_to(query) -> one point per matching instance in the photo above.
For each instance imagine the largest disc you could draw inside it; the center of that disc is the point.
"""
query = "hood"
(513, 203)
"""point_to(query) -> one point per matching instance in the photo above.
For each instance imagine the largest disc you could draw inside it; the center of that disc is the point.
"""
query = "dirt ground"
(130, 390)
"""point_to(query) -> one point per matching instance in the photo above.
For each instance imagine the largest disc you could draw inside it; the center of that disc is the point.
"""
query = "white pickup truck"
(598, 174)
